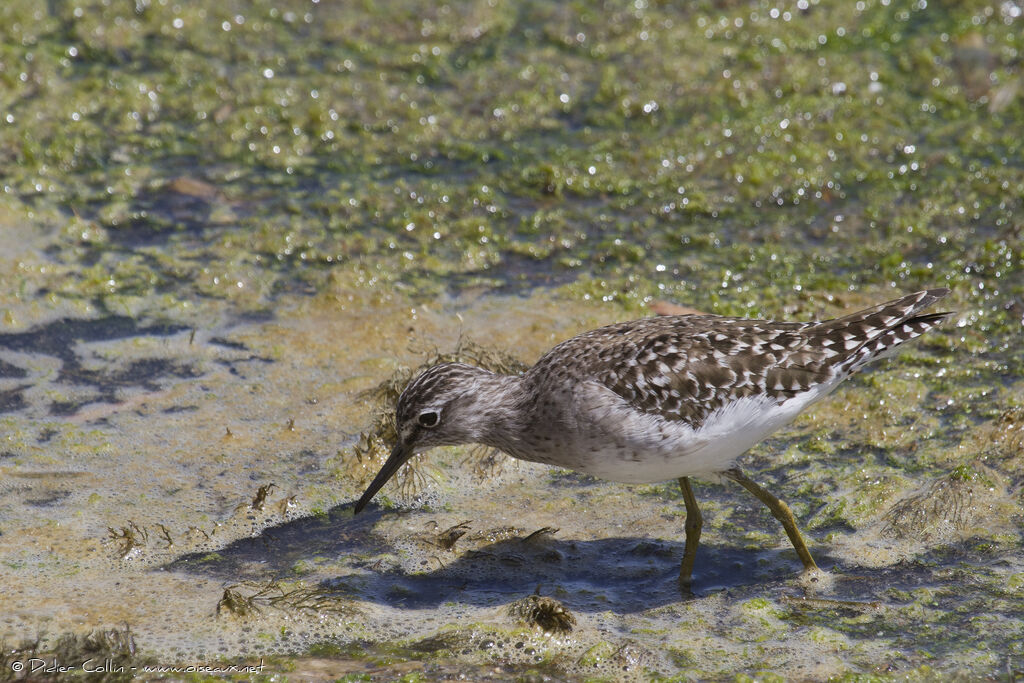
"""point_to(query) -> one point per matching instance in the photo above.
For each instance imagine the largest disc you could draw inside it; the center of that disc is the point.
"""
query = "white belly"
(616, 442)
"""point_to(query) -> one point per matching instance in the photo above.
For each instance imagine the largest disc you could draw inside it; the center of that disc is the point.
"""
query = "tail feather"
(888, 343)
(864, 336)
(888, 314)
(901, 330)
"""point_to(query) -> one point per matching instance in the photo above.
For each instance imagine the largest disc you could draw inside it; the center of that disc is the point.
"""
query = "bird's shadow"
(622, 574)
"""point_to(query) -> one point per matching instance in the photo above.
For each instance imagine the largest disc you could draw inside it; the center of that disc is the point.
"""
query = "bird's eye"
(429, 419)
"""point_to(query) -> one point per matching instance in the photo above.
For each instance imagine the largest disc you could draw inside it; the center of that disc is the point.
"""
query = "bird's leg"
(693, 524)
(781, 512)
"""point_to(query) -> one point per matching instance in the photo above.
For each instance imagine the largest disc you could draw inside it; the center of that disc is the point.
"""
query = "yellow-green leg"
(693, 524)
(781, 512)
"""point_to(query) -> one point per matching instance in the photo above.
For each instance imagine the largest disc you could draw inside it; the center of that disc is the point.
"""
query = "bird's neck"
(502, 403)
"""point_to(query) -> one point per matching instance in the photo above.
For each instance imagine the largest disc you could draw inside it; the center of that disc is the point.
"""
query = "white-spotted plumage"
(655, 399)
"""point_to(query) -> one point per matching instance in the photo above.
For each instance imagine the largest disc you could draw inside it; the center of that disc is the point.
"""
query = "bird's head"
(438, 408)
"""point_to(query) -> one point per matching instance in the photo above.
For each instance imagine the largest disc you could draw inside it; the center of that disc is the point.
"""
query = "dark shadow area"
(621, 574)
(13, 399)
(141, 374)
(515, 275)
(59, 339)
(184, 206)
(9, 371)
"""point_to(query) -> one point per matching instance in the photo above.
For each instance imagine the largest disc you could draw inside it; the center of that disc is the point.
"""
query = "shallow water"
(275, 207)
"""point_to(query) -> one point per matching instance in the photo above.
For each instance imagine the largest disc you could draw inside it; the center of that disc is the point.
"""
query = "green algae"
(786, 143)
(543, 612)
(250, 599)
(103, 655)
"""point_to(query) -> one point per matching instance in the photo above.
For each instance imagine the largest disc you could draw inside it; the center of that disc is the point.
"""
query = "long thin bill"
(399, 455)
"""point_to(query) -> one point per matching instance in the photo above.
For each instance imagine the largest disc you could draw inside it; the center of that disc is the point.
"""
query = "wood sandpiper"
(651, 400)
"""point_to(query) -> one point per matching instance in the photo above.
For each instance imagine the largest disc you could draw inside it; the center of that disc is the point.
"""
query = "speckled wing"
(686, 367)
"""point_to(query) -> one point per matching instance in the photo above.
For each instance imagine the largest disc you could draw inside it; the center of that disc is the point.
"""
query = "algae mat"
(228, 230)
